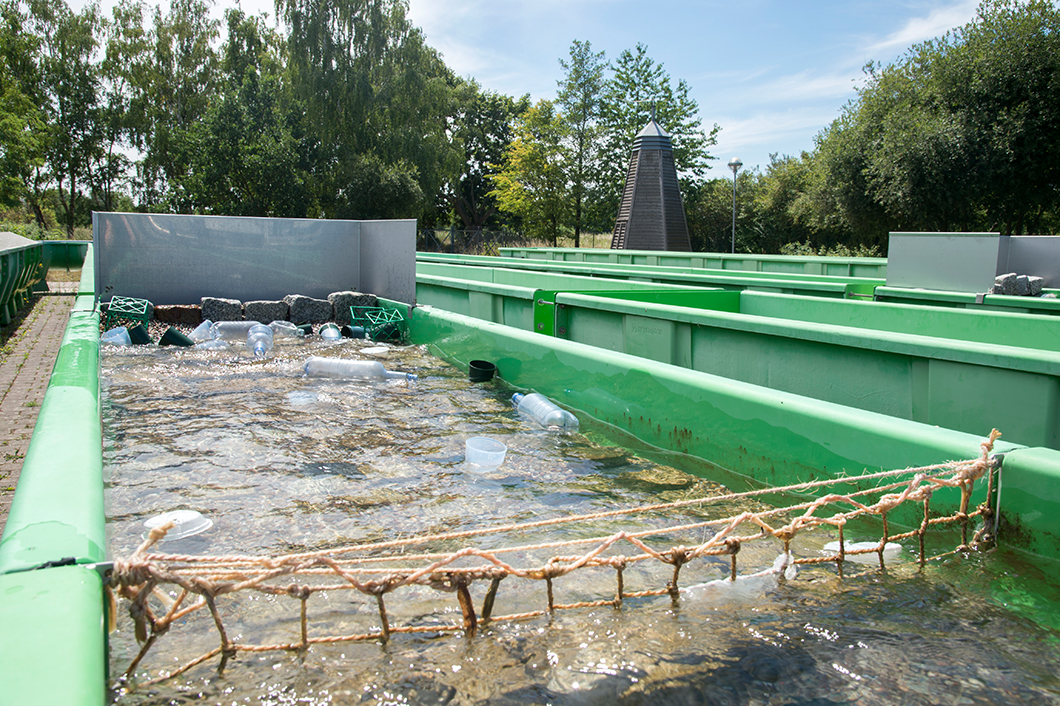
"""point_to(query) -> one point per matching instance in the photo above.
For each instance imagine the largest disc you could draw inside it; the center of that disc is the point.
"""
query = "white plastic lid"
(186, 523)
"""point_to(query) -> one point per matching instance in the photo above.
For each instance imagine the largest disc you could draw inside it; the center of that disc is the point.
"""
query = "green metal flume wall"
(52, 620)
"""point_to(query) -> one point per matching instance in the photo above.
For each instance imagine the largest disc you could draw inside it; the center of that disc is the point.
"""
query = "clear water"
(283, 464)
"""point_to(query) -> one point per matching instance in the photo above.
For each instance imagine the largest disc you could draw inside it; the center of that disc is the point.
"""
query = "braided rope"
(358, 567)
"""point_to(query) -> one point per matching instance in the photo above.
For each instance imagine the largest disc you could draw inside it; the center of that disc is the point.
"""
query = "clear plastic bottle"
(318, 367)
(285, 329)
(545, 412)
(234, 331)
(259, 340)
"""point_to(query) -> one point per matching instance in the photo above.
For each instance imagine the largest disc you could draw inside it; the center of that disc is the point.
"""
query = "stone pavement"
(26, 360)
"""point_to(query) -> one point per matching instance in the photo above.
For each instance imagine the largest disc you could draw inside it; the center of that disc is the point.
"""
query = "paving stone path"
(26, 360)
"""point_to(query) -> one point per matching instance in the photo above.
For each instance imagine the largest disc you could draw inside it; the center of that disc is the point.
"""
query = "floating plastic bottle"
(203, 332)
(285, 329)
(234, 331)
(330, 332)
(213, 344)
(545, 412)
(259, 340)
(117, 337)
(318, 367)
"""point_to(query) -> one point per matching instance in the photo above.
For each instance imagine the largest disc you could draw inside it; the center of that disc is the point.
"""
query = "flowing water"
(282, 463)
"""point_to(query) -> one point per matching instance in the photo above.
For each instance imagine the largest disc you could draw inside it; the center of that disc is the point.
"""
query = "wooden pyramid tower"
(652, 213)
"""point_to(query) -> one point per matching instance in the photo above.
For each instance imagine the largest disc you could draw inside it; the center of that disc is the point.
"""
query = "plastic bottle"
(330, 332)
(213, 344)
(234, 331)
(285, 329)
(317, 367)
(259, 340)
(545, 412)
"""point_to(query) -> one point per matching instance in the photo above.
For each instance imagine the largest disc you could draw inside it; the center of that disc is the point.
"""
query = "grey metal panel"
(388, 259)
(954, 262)
(178, 259)
(1037, 255)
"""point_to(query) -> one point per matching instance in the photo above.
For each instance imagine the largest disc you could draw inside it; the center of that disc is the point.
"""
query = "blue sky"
(771, 73)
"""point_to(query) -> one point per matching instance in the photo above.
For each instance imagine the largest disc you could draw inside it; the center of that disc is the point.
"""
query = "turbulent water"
(282, 463)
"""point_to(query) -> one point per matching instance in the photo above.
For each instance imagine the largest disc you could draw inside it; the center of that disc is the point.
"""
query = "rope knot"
(300, 592)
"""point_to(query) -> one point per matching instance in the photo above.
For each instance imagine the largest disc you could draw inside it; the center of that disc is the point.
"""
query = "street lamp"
(734, 165)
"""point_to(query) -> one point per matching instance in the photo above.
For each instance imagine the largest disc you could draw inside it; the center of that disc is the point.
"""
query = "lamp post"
(734, 165)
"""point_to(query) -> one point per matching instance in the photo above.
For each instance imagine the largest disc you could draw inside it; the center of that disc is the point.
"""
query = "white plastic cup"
(186, 523)
(117, 336)
(203, 332)
(485, 452)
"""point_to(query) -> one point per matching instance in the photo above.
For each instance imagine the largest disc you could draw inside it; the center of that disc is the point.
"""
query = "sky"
(771, 73)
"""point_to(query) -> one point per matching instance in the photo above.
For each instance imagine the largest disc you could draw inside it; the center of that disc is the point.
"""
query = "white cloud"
(919, 29)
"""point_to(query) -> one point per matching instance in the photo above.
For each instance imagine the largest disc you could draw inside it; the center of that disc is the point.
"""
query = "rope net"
(382, 569)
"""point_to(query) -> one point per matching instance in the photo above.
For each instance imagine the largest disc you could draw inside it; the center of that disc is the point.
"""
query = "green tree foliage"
(533, 184)
(71, 85)
(249, 153)
(962, 133)
(485, 125)
(176, 89)
(23, 126)
(380, 100)
(637, 89)
(580, 97)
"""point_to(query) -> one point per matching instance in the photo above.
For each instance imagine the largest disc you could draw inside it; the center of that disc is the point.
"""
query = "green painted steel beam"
(52, 638)
(747, 435)
(1011, 328)
(64, 254)
(967, 300)
(21, 268)
(57, 511)
(52, 619)
(843, 266)
(87, 285)
(958, 384)
(826, 286)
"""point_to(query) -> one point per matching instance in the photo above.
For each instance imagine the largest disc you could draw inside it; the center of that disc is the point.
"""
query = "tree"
(962, 133)
(533, 182)
(637, 90)
(71, 83)
(176, 90)
(580, 98)
(247, 156)
(22, 122)
(123, 109)
(485, 125)
(378, 99)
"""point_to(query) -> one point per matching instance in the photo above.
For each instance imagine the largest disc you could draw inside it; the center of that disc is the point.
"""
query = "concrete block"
(216, 309)
(266, 311)
(308, 310)
(1006, 283)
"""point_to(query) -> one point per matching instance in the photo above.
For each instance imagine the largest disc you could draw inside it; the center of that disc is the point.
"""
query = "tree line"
(344, 111)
